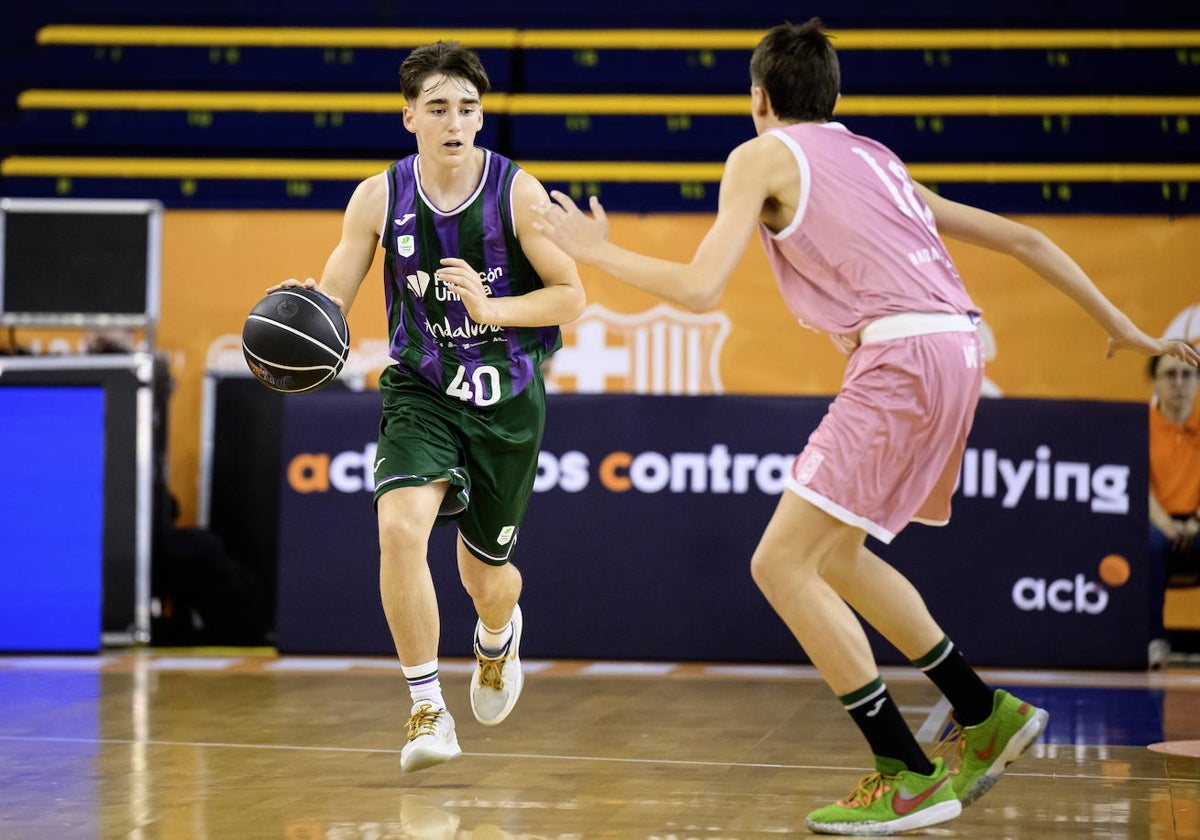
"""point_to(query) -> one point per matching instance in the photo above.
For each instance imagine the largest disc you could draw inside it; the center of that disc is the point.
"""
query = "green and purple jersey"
(432, 334)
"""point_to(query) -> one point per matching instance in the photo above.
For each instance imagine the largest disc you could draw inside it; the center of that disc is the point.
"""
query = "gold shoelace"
(423, 721)
(870, 788)
(491, 671)
(951, 746)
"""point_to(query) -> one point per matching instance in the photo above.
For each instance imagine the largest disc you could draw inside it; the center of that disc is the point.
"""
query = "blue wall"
(664, 13)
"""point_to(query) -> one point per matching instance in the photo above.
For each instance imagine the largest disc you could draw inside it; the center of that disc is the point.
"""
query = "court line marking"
(219, 660)
(934, 723)
(189, 663)
(1057, 775)
(650, 669)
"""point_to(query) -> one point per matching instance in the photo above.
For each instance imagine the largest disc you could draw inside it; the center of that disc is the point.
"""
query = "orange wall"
(217, 264)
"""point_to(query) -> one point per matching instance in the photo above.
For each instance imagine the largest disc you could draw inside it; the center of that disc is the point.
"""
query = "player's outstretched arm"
(1041, 254)
(696, 285)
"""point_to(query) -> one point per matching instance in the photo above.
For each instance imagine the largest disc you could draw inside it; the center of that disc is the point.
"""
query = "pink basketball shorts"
(889, 449)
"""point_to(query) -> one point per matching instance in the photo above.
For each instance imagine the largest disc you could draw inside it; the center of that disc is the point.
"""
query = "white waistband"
(908, 324)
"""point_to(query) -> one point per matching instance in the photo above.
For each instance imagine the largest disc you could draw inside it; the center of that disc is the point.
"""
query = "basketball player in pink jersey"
(855, 246)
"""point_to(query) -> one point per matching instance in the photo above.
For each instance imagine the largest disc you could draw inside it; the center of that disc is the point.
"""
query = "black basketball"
(295, 340)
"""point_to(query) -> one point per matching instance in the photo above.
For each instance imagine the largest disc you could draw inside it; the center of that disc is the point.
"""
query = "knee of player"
(774, 569)
(402, 540)
(489, 583)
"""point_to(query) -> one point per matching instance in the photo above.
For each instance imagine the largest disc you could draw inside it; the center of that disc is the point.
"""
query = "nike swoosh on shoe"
(989, 751)
(902, 804)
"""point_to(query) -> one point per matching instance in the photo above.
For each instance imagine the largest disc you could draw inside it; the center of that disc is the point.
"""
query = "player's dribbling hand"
(309, 283)
(564, 224)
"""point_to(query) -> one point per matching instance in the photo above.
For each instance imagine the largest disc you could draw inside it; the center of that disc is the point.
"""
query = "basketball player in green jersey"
(474, 296)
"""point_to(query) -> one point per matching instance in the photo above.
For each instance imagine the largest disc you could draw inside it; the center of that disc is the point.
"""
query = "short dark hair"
(448, 58)
(798, 68)
(1152, 365)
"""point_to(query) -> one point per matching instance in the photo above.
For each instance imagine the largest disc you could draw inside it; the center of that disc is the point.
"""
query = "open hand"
(564, 224)
(1142, 343)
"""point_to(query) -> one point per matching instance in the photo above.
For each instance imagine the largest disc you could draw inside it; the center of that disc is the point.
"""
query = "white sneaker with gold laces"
(497, 681)
(431, 738)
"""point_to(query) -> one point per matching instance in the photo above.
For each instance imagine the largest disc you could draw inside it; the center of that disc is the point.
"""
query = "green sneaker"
(986, 749)
(890, 800)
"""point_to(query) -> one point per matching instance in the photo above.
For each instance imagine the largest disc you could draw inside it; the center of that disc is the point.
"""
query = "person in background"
(855, 248)
(108, 341)
(1174, 489)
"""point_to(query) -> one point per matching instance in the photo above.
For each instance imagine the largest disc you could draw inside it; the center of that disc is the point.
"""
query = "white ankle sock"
(493, 642)
(423, 683)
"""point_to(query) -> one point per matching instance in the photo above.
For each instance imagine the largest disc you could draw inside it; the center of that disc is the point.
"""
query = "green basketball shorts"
(489, 456)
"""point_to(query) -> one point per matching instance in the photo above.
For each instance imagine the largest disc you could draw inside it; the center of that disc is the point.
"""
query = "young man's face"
(445, 118)
(1175, 384)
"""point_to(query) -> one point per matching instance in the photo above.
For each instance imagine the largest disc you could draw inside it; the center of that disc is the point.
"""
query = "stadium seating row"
(647, 127)
(992, 62)
(1025, 120)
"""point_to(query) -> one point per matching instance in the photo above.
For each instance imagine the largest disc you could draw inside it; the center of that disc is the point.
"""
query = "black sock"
(967, 693)
(877, 715)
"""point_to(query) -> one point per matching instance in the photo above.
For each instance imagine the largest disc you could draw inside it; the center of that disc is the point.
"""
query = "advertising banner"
(52, 528)
(647, 509)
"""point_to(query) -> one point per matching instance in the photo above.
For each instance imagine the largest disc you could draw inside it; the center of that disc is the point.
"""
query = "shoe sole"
(1017, 745)
(515, 644)
(419, 760)
(932, 815)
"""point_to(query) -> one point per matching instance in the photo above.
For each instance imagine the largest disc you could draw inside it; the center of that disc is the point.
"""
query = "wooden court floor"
(245, 744)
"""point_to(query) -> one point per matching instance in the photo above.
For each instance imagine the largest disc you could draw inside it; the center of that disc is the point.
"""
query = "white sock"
(494, 642)
(423, 683)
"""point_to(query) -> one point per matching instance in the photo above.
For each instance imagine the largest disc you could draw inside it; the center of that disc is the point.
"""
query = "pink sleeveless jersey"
(862, 244)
